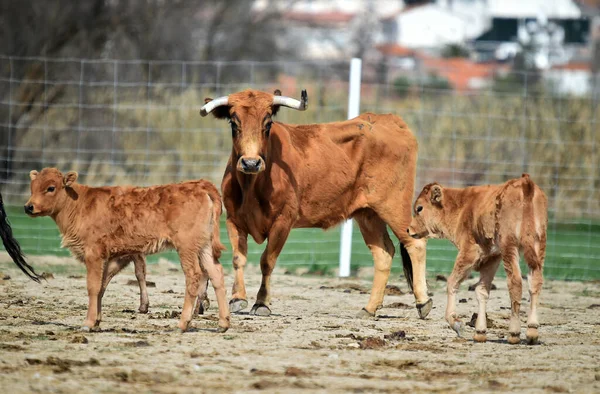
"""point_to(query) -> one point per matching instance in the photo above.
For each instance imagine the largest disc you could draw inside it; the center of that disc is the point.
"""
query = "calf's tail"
(12, 246)
(217, 246)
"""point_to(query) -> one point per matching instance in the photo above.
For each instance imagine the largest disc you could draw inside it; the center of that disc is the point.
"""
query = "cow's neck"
(65, 217)
(452, 203)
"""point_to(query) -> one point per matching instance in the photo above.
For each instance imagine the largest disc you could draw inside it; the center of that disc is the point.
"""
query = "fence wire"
(137, 122)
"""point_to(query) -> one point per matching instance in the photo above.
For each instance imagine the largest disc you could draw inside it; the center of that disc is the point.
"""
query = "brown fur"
(488, 224)
(106, 227)
(318, 176)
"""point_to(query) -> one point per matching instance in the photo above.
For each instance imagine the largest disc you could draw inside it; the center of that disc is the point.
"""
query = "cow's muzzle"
(416, 235)
(29, 209)
(252, 165)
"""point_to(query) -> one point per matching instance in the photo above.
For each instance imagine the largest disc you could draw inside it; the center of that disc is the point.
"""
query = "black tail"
(407, 266)
(12, 246)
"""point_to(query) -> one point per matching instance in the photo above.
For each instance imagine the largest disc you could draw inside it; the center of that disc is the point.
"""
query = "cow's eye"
(51, 189)
(268, 128)
(419, 208)
(234, 129)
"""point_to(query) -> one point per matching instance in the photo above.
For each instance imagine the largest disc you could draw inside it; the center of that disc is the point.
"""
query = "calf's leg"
(139, 262)
(535, 260)
(510, 255)
(214, 270)
(482, 291)
(202, 304)
(239, 244)
(464, 262)
(374, 232)
(112, 268)
(95, 268)
(193, 273)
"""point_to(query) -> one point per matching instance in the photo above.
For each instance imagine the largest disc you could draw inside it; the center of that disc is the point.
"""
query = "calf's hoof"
(260, 310)
(425, 308)
(237, 304)
(459, 328)
(221, 330)
(514, 338)
(532, 336)
(183, 326)
(85, 329)
(480, 336)
(365, 314)
(144, 308)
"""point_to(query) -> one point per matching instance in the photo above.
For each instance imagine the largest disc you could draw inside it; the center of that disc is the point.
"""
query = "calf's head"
(250, 114)
(49, 189)
(428, 213)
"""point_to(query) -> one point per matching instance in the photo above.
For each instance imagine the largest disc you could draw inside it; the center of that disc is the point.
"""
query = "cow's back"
(337, 168)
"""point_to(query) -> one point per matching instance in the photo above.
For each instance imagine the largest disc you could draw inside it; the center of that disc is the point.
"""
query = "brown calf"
(112, 225)
(488, 224)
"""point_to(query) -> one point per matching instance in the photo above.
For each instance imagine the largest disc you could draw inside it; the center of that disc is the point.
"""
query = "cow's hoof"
(459, 328)
(237, 305)
(144, 308)
(480, 336)
(364, 314)
(85, 329)
(222, 329)
(260, 310)
(532, 336)
(514, 339)
(425, 308)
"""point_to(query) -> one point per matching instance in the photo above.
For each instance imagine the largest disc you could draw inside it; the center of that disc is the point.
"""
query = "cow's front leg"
(462, 266)
(95, 269)
(277, 237)
(239, 244)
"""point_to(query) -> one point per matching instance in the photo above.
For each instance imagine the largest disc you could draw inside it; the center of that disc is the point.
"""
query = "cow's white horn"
(208, 107)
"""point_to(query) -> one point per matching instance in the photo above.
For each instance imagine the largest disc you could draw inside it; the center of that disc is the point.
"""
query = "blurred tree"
(132, 29)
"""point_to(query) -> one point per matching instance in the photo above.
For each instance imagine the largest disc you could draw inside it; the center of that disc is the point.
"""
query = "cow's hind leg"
(202, 304)
(214, 270)
(412, 250)
(277, 237)
(374, 232)
(534, 256)
(191, 269)
(239, 244)
(482, 291)
(139, 263)
(510, 255)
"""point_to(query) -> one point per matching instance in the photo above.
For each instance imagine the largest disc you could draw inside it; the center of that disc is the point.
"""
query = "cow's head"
(250, 114)
(49, 189)
(428, 213)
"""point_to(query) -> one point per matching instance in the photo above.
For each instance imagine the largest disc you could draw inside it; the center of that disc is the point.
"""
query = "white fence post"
(353, 108)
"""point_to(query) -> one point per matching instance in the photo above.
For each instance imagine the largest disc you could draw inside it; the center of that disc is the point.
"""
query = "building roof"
(319, 18)
(559, 9)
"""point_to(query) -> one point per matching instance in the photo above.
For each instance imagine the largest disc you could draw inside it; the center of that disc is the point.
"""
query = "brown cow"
(488, 224)
(116, 224)
(281, 176)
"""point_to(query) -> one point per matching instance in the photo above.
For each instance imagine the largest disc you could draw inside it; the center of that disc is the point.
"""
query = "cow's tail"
(217, 246)
(528, 230)
(407, 266)
(12, 246)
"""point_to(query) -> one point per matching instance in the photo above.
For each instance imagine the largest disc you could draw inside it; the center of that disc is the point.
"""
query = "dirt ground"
(311, 343)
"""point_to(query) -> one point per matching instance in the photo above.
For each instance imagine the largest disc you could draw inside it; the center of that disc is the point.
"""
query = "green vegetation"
(571, 253)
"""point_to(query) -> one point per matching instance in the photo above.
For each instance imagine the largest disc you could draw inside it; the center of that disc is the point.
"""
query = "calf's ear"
(33, 174)
(70, 178)
(436, 194)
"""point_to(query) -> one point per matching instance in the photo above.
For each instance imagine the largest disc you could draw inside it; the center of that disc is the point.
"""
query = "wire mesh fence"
(137, 122)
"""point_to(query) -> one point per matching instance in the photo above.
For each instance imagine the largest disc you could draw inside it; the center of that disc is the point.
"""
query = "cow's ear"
(33, 174)
(275, 108)
(436, 194)
(70, 178)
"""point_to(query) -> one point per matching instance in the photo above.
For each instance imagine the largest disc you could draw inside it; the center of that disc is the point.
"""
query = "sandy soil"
(311, 343)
